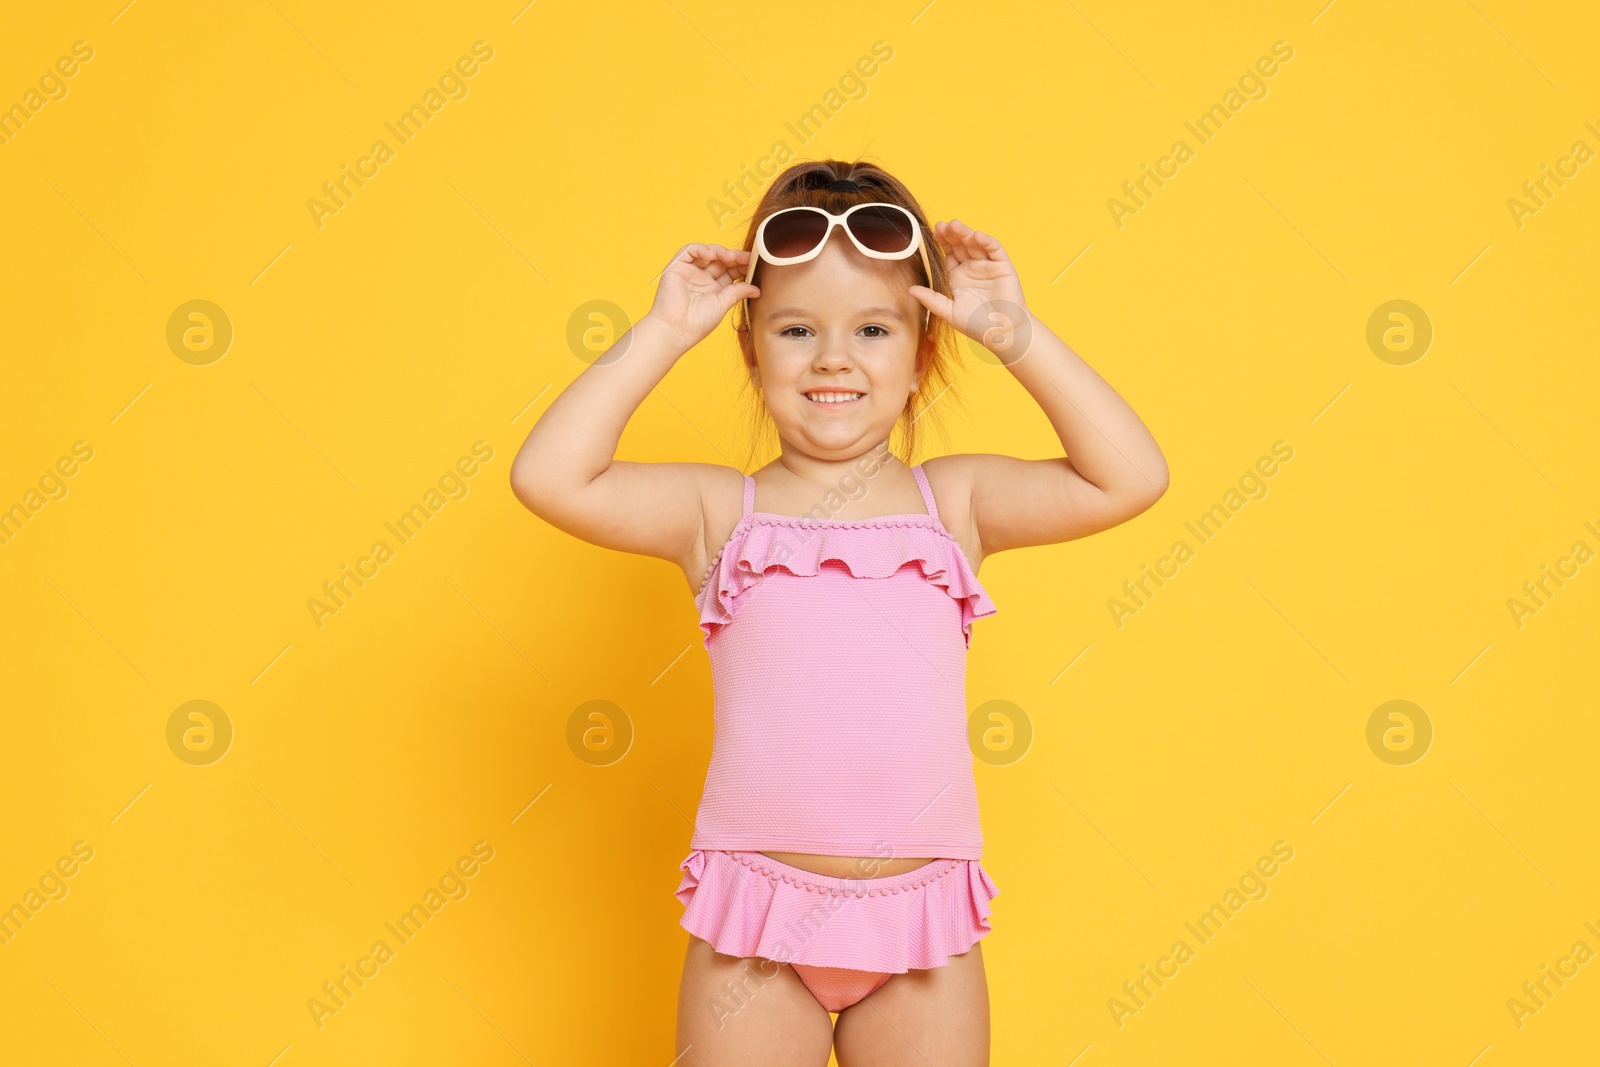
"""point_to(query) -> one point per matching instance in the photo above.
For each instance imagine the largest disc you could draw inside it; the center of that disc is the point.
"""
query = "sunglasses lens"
(883, 229)
(794, 233)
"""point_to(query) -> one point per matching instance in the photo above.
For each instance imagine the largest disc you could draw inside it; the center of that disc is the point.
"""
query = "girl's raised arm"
(1113, 469)
(566, 472)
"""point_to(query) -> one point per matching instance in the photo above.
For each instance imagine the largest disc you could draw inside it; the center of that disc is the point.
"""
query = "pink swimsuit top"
(839, 662)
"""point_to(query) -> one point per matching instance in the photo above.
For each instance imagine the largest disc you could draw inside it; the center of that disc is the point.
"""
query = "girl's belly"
(849, 866)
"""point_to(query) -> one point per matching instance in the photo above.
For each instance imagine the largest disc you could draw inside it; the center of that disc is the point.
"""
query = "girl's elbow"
(1159, 483)
(525, 489)
(1142, 497)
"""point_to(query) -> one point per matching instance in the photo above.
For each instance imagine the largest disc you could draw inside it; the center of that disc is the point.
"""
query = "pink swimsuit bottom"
(854, 934)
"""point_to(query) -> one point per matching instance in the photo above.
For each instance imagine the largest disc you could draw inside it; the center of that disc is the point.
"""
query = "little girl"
(834, 866)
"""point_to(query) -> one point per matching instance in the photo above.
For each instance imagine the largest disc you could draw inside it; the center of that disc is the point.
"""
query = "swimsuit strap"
(749, 495)
(927, 494)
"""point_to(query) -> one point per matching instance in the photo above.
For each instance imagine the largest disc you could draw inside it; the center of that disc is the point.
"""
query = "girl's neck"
(810, 470)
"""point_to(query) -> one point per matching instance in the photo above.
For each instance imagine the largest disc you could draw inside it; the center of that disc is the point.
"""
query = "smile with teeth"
(824, 397)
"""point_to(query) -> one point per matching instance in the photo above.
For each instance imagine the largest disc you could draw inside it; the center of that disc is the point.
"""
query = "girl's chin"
(829, 432)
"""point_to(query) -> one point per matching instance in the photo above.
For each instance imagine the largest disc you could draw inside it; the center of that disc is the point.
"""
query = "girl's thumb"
(737, 292)
(932, 299)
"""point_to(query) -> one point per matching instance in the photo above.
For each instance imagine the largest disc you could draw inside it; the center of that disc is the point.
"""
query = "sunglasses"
(797, 234)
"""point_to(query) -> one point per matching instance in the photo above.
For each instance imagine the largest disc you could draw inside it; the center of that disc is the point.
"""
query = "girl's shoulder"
(950, 480)
(722, 490)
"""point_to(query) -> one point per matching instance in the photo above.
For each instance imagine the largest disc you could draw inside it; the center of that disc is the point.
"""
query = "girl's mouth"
(832, 398)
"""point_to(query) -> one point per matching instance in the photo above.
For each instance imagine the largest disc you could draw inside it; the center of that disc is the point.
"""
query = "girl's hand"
(698, 287)
(987, 304)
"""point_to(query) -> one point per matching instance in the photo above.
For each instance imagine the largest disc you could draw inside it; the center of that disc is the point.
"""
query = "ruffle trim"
(747, 905)
(757, 547)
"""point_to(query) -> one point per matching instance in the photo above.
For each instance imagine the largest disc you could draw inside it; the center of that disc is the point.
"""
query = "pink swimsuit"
(838, 657)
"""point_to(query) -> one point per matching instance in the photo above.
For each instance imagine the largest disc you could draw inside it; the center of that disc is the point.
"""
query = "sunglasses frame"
(759, 252)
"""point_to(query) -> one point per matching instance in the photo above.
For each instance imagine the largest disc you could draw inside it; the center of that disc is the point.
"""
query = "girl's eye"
(881, 331)
(785, 331)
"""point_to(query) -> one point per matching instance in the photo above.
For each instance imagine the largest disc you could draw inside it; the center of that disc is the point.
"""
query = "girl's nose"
(834, 353)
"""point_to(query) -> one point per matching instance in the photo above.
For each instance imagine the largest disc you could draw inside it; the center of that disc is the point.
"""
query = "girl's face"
(839, 324)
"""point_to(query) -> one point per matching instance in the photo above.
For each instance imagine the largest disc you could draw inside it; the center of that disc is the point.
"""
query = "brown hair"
(806, 183)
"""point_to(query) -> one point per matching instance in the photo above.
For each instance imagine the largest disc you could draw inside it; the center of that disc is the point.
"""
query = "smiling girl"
(835, 861)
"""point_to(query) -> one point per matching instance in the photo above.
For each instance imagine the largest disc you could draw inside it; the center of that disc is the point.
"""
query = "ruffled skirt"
(749, 905)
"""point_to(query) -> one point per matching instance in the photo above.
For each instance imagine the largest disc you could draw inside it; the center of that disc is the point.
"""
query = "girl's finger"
(981, 246)
(933, 300)
(969, 236)
(991, 244)
(961, 248)
(689, 257)
(736, 292)
(706, 255)
(716, 257)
